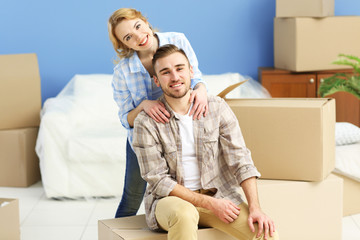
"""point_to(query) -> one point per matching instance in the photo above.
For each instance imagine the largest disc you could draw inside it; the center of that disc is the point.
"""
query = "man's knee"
(185, 214)
(177, 212)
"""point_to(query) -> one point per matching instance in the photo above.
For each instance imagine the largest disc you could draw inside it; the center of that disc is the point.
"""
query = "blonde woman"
(134, 90)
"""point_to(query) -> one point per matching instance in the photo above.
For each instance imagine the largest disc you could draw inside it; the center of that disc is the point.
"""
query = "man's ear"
(156, 80)
(191, 72)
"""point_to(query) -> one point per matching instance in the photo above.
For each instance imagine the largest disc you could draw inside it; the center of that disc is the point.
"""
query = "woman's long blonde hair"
(121, 50)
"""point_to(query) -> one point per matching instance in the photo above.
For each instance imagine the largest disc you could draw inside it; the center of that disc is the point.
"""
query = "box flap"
(280, 102)
(2, 200)
(230, 88)
(133, 222)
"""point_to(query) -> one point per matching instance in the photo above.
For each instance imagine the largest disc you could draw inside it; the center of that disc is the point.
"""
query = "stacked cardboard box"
(308, 37)
(20, 104)
(351, 196)
(9, 219)
(292, 142)
(289, 139)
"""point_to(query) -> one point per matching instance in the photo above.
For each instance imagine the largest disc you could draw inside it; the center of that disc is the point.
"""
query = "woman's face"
(135, 34)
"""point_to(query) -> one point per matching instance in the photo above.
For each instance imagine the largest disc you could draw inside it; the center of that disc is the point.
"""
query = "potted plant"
(342, 82)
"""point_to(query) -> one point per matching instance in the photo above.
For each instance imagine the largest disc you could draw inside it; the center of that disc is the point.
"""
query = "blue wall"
(70, 37)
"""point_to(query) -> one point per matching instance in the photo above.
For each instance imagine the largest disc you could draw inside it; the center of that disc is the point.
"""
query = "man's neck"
(179, 105)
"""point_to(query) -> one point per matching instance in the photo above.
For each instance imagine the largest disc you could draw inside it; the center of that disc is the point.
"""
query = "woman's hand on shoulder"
(200, 103)
(156, 110)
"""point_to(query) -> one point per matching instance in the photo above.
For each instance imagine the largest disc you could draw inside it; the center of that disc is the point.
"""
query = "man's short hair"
(165, 51)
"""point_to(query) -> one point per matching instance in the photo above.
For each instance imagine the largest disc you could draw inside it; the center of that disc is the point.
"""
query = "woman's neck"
(146, 54)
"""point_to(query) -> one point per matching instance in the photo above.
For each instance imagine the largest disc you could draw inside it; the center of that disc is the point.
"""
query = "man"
(194, 169)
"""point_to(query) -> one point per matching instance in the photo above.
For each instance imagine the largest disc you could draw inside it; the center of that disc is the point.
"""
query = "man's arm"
(235, 153)
(224, 209)
(154, 168)
(255, 213)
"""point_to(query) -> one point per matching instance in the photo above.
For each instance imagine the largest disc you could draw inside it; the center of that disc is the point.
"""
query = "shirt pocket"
(211, 141)
(170, 155)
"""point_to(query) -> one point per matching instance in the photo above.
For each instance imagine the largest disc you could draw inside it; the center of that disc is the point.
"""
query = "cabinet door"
(347, 105)
(290, 85)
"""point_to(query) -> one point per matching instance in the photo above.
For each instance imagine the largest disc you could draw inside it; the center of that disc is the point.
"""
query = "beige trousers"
(181, 219)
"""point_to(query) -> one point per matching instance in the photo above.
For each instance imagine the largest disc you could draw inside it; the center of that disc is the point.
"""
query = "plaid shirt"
(132, 83)
(224, 161)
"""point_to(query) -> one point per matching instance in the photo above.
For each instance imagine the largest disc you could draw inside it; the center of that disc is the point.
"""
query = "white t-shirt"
(189, 161)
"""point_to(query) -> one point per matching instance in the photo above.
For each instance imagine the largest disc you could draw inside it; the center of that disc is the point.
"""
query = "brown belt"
(209, 192)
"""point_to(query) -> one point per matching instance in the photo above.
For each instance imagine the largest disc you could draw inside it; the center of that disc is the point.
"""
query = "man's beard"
(173, 95)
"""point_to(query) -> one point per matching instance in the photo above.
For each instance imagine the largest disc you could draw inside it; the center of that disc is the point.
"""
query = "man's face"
(173, 75)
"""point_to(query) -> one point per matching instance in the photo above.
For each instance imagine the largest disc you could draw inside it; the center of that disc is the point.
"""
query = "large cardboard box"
(18, 160)
(304, 210)
(9, 219)
(311, 44)
(135, 228)
(20, 93)
(351, 196)
(305, 8)
(289, 138)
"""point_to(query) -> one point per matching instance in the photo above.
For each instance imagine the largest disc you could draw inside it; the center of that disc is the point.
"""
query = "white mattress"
(347, 160)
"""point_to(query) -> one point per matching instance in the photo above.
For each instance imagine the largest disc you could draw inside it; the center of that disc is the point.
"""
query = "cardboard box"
(311, 44)
(305, 8)
(135, 228)
(9, 219)
(351, 196)
(289, 138)
(20, 93)
(19, 162)
(304, 210)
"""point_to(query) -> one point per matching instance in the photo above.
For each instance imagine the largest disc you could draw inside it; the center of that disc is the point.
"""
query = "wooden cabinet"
(283, 83)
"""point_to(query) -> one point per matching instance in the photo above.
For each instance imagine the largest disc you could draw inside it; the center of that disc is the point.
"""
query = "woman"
(134, 90)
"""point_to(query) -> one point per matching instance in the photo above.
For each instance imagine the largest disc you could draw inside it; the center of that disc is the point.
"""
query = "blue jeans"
(134, 186)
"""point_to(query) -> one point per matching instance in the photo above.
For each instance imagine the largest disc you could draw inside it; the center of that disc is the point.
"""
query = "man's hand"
(265, 224)
(225, 210)
(199, 97)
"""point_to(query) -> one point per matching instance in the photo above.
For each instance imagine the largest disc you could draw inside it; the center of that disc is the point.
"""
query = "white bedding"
(347, 160)
(81, 142)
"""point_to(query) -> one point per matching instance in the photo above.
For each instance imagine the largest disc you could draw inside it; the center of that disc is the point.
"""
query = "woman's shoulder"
(171, 37)
(171, 34)
(123, 64)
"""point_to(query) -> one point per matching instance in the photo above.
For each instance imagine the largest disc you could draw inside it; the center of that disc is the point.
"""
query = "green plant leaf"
(341, 82)
(349, 60)
(335, 84)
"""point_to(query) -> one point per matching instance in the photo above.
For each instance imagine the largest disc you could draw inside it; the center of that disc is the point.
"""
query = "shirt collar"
(168, 108)
(135, 64)
(161, 38)
(173, 114)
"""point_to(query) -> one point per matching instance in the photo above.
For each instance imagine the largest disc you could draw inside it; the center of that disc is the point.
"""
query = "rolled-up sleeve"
(122, 97)
(153, 166)
(236, 154)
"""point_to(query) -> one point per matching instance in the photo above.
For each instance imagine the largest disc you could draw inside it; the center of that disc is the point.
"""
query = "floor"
(42, 218)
